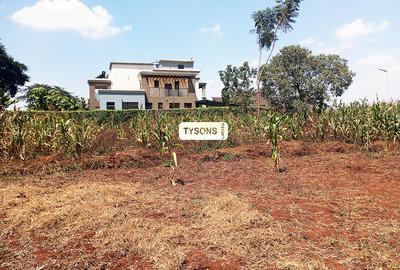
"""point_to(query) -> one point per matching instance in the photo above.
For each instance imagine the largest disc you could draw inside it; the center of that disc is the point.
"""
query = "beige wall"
(148, 83)
(93, 103)
(168, 100)
(183, 82)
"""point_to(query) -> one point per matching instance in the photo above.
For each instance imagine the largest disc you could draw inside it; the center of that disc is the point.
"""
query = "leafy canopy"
(12, 76)
(295, 76)
(43, 97)
(268, 21)
(6, 101)
(238, 84)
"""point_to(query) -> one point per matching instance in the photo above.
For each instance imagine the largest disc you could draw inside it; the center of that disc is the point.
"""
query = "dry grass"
(336, 210)
(132, 219)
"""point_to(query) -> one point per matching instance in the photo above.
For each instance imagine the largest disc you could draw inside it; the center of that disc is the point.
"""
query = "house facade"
(166, 84)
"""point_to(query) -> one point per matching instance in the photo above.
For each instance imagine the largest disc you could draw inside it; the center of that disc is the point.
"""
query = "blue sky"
(65, 42)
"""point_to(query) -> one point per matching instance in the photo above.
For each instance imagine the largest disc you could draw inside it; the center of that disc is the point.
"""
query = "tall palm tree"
(267, 23)
(264, 22)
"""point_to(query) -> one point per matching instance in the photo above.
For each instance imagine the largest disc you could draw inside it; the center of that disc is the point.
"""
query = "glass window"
(168, 86)
(130, 105)
(181, 66)
(177, 85)
(156, 84)
(188, 105)
(110, 105)
(174, 105)
(160, 106)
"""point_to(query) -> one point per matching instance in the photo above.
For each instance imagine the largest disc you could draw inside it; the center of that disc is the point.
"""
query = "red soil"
(334, 202)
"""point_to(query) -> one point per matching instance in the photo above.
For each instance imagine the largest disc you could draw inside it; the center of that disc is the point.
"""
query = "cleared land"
(334, 207)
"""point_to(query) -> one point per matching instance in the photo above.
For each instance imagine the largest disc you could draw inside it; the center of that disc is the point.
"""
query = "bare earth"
(333, 207)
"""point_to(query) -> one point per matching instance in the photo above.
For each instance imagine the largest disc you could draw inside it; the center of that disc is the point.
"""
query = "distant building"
(167, 84)
(217, 99)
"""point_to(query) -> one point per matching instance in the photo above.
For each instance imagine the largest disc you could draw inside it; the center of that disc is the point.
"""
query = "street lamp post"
(387, 81)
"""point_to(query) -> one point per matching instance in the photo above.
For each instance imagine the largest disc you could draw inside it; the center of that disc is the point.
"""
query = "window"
(149, 106)
(130, 105)
(110, 105)
(156, 84)
(168, 88)
(177, 85)
(160, 106)
(174, 105)
(181, 66)
(188, 105)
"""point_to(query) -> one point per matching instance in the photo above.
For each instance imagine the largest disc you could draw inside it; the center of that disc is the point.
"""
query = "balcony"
(162, 92)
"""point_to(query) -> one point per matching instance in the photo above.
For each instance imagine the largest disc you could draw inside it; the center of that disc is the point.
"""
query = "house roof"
(97, 80)
(151, 63)
(171, 72)
(130, 63)
(263, 101)
(176, 61)
(217, 99)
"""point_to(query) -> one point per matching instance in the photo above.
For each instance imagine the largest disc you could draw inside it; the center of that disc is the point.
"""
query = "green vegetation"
(228, 157)
(267, 23)
(163, 134)
(41, 97)
(25, 135)
(275, 134)
(296, 78)
(12, 77)
(237, 83)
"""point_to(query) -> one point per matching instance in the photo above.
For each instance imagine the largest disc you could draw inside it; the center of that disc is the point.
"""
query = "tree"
(41, 97)
(12, 77)
(238, 81)
(6, 101)
(267, 23)
(296, 76)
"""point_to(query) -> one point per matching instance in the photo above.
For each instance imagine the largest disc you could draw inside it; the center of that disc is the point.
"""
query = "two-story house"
(166, 84)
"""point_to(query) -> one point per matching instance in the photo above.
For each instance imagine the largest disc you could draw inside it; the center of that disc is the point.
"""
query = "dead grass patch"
(118, 214)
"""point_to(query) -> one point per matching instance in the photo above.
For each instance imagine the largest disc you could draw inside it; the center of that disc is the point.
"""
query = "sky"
(66, 42)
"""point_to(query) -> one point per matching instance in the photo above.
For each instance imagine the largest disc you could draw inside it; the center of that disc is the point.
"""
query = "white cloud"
(68, 15)
(359, 28)
(318, 47)
(214, 30)
(307, 41)
(349, 36)
(370, 82)
(377, 60)
(330, 50)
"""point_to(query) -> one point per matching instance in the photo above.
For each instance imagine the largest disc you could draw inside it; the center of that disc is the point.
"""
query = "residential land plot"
(334, 207)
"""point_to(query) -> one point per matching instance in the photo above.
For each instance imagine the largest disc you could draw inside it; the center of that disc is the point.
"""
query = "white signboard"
(203, 131)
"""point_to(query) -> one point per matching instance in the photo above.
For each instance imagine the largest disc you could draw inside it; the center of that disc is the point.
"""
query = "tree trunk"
(258, 82)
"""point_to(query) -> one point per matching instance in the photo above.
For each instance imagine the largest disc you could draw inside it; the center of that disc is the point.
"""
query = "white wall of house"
(119, 98)
(172, 64)
(126, 76)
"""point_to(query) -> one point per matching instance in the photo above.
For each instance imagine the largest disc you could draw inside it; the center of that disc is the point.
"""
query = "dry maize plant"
(163, 134)
(141, 127)
(29, 134)
(15, 136)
